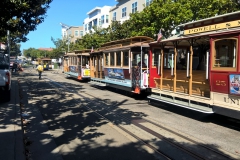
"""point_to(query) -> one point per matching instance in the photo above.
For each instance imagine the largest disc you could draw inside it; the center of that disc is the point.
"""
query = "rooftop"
(94, 9)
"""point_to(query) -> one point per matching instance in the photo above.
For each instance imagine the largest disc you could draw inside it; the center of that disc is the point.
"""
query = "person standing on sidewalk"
(40, 70)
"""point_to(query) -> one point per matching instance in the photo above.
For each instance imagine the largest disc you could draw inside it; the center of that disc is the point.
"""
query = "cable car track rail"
(180, 147)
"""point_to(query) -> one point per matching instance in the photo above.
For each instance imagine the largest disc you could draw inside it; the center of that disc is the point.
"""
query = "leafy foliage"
(36, 53)
(168, 14)
(21, 16)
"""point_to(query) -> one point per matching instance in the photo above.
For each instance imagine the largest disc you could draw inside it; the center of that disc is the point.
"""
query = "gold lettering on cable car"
(220, 83)
(213, 27)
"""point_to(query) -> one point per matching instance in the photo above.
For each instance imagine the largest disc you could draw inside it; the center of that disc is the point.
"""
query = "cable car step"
(193, 105)
(97, 83)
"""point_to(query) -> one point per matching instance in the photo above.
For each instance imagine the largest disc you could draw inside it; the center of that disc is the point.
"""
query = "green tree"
(168, 14)
(118, 31)
(94, 39)
(21, 16)
(15, 50)
(60, 48)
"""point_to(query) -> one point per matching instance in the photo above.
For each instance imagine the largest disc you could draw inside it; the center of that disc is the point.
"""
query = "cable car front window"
(225, 53)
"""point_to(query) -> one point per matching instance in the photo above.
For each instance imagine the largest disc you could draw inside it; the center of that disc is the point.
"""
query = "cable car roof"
(125, 44)
(83, 52)
(199, 38)
(131, 40)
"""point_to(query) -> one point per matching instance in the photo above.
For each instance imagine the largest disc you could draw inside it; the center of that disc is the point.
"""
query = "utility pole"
(8, 45)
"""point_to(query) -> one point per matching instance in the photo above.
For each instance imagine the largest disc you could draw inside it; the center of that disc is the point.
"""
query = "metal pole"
(8, 43)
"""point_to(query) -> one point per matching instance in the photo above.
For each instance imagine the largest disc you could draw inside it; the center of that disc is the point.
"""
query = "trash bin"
(55, 66)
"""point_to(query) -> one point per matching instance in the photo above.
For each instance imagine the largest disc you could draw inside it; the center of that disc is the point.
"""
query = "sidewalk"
(40, 144)
(33, 141)
(11, 134)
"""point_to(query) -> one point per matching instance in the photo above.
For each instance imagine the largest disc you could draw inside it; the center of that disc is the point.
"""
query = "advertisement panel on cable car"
(234, 81)
(116, 76)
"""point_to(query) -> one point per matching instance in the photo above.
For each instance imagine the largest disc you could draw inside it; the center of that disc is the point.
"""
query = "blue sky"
(70, 12)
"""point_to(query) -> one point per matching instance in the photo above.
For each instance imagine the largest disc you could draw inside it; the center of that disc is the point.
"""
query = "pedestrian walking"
(40, 70)
(15, 66)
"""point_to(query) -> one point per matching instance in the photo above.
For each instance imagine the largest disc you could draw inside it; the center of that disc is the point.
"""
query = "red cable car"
(199, 68)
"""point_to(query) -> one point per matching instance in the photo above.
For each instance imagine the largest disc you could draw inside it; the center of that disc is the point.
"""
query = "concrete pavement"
(16, 141)
(11, 133)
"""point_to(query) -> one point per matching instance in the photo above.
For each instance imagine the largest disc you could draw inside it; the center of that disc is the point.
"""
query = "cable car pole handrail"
(159, 67)
(187, 64)
(172, 66)
(207, 63)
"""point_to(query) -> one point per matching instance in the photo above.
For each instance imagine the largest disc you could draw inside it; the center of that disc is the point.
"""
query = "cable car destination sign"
(213, 27)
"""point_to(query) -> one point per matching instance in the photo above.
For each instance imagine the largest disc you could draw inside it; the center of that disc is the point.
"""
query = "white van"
(5, 78)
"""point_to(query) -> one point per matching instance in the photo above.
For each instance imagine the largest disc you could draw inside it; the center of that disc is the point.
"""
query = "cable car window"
(118, 54)
(112, 59)
(125, 58)
(225, 53)
(83, 61)
(155, 57)
(106, 59)
(79, 61)
(182, 60)
(136, 59)
(168, 59)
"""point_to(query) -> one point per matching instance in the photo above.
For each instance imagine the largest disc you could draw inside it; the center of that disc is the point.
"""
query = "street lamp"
(68, 42)
(62, 59)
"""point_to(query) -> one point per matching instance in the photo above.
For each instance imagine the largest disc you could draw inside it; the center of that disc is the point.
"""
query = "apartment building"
(120, 12)
(72, 33)
(98, 17)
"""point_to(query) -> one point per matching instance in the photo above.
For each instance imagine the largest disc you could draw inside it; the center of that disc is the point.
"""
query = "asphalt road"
(66, 129)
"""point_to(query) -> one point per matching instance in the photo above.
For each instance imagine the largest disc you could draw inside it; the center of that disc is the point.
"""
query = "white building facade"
(121, 11)
(97, 17)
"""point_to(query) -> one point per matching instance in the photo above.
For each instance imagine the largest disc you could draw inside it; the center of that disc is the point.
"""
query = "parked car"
(5, 78)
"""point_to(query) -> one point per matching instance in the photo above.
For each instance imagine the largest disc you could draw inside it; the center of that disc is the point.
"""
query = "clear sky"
(70, 12)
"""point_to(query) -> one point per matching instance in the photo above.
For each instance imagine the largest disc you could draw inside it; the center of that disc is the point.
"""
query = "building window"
(114, 16)
(76, 33)
(124, 12)
(134, 7)
(85, 27)
(102, 19)
(69, 32)
(90, 25)
(95, 22)
(65, 34)
(81, 33)
(225, 53)
(107, 17)
(148, 2)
